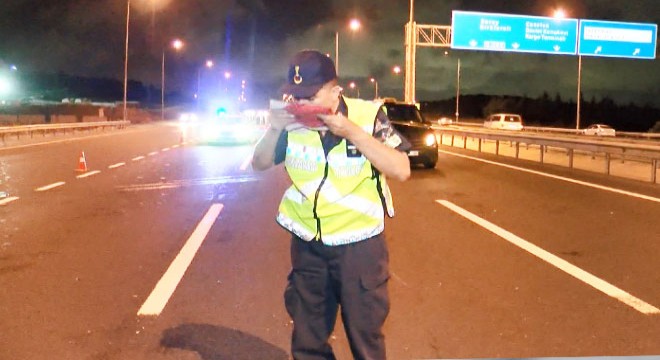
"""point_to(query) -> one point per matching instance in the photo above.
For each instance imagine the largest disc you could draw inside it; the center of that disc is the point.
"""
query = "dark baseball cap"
(309, 70)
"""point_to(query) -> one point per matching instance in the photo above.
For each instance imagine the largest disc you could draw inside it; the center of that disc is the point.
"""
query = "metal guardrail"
(642, 152)
(30, 130)
(619, 134)
(624, 134)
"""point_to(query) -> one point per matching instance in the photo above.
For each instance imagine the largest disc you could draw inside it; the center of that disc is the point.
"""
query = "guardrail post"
(570, 158)
(480, 144)
(497, 147)
(465, 142)
(542, 148)
(623, 156)
(608, 159)
(654, 168)
(452, 140)
(517, 149)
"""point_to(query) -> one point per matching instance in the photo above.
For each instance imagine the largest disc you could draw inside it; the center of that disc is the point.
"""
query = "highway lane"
(79, 261)
(476, 295)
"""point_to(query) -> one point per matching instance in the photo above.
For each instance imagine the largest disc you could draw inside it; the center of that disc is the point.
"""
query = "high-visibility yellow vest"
(336, 198)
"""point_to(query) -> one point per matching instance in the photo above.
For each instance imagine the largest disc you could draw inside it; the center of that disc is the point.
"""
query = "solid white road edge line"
(138, 158)
(113, 166)
(556, 261)
(165, 287)
(51, 186)
(7, 200)
(596, 186)
(153, 153)
(89, 173)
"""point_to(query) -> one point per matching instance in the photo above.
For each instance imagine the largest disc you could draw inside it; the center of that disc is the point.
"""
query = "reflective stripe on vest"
(335, 199)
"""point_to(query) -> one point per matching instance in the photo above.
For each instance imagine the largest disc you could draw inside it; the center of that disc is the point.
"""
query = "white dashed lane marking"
(50, 186)
(87, 174)
(114, 166)
(7, 200)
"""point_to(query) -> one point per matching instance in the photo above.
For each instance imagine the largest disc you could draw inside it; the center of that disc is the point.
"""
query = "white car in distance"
(445, 121)
(599, 130)
(504, 122)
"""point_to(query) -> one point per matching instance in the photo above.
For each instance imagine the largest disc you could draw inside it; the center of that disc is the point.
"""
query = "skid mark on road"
(188, 182)
(165, 287)
(556, 261)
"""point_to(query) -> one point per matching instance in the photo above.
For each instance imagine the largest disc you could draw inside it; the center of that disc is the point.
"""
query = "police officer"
(334, 209)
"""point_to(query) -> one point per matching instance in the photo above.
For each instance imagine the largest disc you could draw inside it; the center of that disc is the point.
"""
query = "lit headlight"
(429, 140)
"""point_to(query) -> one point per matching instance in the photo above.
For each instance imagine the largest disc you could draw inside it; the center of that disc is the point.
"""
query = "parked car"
(504, 122)
(599, 130)
(409, 121)
(445, 121)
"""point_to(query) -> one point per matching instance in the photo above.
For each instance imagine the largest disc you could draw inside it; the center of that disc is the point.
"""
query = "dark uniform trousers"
(323, 279)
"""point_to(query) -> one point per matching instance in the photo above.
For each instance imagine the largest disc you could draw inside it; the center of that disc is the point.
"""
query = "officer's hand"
(339, 124)
(280, 118)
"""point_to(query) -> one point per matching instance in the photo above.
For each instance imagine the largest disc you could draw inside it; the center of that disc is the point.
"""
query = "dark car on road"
(408, 120)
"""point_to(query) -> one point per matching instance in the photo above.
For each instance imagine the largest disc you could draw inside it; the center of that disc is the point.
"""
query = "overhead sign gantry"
(530, 34)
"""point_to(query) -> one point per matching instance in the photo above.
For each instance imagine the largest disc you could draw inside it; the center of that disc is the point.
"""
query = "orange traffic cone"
(82, 163)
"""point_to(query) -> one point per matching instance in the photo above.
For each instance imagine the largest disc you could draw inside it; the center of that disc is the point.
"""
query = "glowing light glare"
(5, 86)
(396, 69)
(177, 44)
(227, 74)
(354, 24)
(209, 63)
(352, 85)
(559, 13)
(429, 140)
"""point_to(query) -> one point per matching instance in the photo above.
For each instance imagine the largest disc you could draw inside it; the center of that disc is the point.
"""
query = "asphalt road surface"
(169, 250)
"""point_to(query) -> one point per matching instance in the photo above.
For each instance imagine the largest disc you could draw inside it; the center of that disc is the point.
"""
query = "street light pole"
(337, 52)
(208, 64)
(373, 80)
(354, 25)
(560, 14)
(579, 93)
(410, 47)
(458, 85)
(128, 14)
(162, 88)
(176, 44)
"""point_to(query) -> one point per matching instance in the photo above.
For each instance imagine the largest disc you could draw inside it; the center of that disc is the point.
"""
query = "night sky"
(254, 38)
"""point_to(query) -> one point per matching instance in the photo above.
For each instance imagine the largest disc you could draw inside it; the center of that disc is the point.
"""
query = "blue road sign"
(516, 33)
(617, 39)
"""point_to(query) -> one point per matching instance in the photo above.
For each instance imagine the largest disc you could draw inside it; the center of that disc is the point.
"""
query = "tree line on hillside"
(546, 111)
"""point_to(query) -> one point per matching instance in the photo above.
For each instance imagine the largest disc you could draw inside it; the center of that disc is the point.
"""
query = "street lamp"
(128, 15)
(559, 13)
(354, 86)
(176, 44)
(208, 64)
(354, 25)
(375, 82)
(458, 84)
